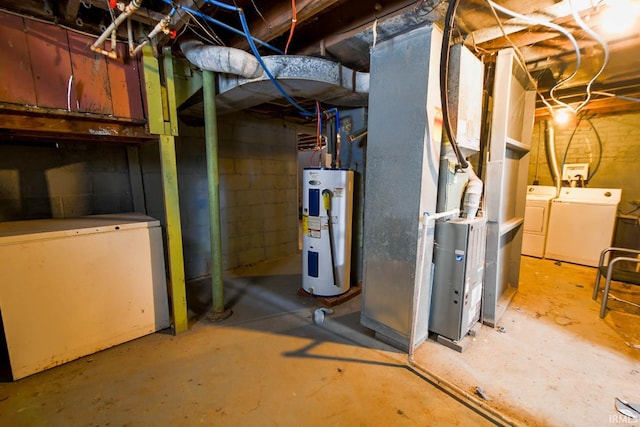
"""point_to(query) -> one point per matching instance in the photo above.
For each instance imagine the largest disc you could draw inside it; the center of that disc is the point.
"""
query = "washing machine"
(581, 224)
(536, 219)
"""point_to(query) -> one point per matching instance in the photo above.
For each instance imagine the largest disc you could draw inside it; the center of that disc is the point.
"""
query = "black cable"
(564, 157)
(486, 116)
(599, 149)
(444, 75)
(566, 150)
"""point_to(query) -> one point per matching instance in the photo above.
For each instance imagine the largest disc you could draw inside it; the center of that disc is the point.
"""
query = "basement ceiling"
(344, 31)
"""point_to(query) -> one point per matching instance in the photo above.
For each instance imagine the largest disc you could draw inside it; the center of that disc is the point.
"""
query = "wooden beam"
(69, 126)
(279, 19)
(555, 12)
(70, 9)
(599, 107)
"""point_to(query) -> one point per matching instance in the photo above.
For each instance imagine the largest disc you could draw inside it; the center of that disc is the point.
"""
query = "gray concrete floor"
(551, 360)
(555, 362)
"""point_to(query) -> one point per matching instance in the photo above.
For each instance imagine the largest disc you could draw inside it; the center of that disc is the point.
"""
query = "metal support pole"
(211, 142)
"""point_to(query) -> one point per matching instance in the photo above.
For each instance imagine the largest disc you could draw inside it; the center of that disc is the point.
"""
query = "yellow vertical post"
(174, 232)
(162, 114)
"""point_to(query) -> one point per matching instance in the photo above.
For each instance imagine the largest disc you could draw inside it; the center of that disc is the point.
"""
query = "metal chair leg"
(605, 296)
(596, 286)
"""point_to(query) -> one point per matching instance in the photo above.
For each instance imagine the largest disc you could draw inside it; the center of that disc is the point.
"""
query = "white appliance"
(536, 219)
(326, 245)
(581, 224)
(72, 287)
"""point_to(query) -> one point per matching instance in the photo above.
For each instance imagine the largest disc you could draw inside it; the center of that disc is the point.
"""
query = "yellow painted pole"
(174, 232)
(162, 119)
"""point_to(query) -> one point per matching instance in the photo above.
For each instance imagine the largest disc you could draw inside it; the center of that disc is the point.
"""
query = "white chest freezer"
(72, 287)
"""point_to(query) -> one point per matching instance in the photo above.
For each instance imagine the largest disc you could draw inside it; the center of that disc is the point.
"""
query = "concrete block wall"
(620, 136)
(258, 191)
(258, 185)
(60, 180)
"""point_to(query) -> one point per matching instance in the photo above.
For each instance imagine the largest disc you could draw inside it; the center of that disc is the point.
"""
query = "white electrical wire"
(214, 37)
(375, 33)
(613, 95)
(560, 30)
(69, 92)
(604, 45)
(520, 57)
(623, 300)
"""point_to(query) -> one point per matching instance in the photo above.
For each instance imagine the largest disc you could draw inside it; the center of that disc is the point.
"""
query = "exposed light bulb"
(619, 17)
(562, 116)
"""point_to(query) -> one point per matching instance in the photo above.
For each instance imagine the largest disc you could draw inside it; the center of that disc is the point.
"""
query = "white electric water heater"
(327, 208)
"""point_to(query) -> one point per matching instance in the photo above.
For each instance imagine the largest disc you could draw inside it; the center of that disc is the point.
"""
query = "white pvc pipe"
(472, 194)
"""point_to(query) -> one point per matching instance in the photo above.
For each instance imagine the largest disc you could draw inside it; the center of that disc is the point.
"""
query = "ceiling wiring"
(184, 28)
(294, 19)
(222, 24)
(561, 30)
(613, 95)
(208, 31)
(110, 9)
(260, 14)
(604, 45)
(203, 37)
(520, 57)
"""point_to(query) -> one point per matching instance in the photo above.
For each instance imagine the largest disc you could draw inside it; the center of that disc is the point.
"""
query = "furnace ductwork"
(221, 59)
(550, 146)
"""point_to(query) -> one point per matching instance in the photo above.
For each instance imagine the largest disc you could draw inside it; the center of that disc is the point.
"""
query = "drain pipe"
(472, 194)
(550, 148)
(221, 59)
(129, 10)
(211, 141)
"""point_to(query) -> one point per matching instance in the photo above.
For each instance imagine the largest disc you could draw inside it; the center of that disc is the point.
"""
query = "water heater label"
(314, 225)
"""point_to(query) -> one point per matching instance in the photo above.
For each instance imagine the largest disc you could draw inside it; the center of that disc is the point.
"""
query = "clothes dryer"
(536, 219)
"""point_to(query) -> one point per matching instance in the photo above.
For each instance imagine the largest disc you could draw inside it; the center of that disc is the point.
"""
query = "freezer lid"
(36, 229)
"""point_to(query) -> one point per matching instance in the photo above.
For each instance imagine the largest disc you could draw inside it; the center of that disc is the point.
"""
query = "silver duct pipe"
(221, 59)
(550, 148)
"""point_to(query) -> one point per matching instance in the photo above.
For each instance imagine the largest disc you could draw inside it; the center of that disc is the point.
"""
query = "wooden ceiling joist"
(278, 19)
